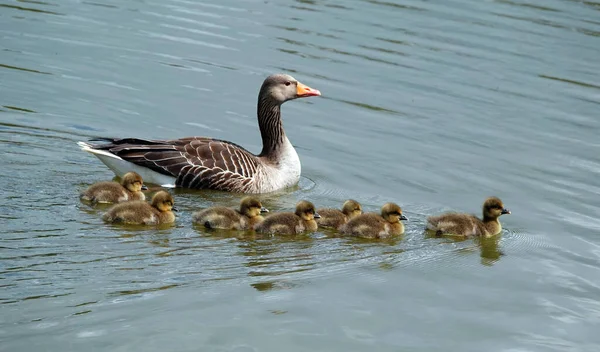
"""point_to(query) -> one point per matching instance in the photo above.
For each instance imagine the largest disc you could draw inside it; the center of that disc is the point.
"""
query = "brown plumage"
(130, 188)
(372, 225)
(141, 213)
(207, 163)
(334, 218)
(302, 220)
(460, 224)
(245, 218)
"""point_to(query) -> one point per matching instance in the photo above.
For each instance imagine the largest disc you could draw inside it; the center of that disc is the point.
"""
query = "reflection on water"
(433, 105)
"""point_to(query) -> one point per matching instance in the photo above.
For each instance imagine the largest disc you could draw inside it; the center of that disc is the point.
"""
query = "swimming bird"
(130, 188)
(248, 215)
(207, 163)
(141, 213)
(302, 220)
(334, 218)
(467, 224)
(372, 225)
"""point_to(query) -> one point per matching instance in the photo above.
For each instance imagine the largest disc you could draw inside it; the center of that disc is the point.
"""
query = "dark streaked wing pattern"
(196, 162)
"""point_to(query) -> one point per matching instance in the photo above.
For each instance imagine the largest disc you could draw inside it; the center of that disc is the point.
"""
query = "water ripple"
(433, 105)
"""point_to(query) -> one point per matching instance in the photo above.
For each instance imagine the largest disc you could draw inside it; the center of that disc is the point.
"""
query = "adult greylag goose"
(467, 225)
(225, 218)
(334, 218)
(372, 225)
(207, 163)
(302, 220)
(139, 212)
(130, 188)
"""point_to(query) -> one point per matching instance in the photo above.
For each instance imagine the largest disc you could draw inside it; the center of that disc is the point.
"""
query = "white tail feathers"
(120, 167)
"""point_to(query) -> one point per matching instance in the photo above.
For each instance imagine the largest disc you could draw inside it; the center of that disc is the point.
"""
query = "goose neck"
(271, 127)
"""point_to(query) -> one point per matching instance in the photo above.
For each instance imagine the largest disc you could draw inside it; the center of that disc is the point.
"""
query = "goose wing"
(195, 162)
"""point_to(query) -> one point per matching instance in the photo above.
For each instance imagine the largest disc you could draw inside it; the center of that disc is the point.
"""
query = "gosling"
(141, 213)
(112, 192)
(334, 218)
(372, 225)
(303, 220)
(467, 225)
(245, 218)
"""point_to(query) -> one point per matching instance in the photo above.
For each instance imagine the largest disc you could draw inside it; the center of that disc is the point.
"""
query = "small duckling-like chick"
(225, 218)
(303, 220)
(467, 225)
(141, 213)
(112, 192)
(372, 225)
(334, 218)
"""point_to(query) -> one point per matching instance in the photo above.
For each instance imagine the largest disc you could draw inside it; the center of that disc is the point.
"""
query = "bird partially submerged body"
(207, 163)
(287, 223)
(244, 218)
(467, 225)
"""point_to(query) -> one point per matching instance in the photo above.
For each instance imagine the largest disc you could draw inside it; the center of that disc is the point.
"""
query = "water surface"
(433, 105)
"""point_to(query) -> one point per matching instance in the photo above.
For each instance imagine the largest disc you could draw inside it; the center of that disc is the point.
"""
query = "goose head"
(163, 201)
(252, 207)
(281, 88)
(392, 213)
(493, 208)
(133, 182)
(351, 208)
(306, 210)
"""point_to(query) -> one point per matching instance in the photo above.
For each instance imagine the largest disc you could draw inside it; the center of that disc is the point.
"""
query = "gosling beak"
(505, 211)
(264, 210)
(402, 217)
(174, 209)
(306, 91)
(317, 216)
(144, 188)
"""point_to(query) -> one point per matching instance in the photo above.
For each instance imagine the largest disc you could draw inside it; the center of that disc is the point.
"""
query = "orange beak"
(306, 91)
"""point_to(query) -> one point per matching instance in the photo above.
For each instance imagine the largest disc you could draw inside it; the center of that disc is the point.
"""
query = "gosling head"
(493, 208)
(252, 207)
(163, 201)
(351, 208)
(392, 213)
(306, 210)
(133, 182)
(281, 88)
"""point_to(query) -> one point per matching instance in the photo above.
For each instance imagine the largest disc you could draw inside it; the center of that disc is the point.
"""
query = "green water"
(434, 105)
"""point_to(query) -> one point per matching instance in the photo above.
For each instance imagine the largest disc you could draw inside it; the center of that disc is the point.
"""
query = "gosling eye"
(287, 83)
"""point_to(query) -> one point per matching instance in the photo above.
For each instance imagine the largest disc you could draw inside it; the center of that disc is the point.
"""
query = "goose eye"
(287, 83)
